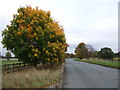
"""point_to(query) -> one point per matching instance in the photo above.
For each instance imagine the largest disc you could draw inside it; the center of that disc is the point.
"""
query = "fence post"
(5, 67)
(8, 71)
(19, 66)
(24, 66)
(13, 67)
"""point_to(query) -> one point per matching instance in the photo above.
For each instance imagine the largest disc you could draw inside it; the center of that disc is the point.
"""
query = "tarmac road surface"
(84, 75)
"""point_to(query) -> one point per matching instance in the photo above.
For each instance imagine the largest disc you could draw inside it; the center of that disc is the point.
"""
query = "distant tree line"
(69, 55)
(87, 51)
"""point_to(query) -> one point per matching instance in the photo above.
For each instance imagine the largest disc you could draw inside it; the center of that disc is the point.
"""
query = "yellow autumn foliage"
(35, 36)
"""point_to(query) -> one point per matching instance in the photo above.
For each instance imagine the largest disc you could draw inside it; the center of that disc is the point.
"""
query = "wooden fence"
(7, 68)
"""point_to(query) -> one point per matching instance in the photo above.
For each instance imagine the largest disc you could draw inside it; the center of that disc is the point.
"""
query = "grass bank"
(32, 78)
(112, 64)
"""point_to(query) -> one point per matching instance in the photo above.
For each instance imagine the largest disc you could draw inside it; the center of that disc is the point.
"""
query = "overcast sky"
(93, 22)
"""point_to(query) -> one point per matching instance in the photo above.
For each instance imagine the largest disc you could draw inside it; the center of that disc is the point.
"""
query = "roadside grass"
(32, 78)
(112, 64)
(116, 59)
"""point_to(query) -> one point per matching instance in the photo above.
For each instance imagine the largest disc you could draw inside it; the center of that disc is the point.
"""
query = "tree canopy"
(106, 53)
(34, 37)
(85, 51)
(81, 51)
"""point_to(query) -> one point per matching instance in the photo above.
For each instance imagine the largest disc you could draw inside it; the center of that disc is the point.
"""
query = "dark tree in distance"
(67, 55)
(106, 53)
(8, 56)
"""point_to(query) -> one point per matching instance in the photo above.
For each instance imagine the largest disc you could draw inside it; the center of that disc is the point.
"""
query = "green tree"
(95, 54)
(106, 53)
(34, 37)
(72, 55)
(8, 55)
(67, 55)
(81, 51)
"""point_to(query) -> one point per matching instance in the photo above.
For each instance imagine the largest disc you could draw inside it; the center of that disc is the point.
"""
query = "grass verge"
(32, 78)
(111, 64)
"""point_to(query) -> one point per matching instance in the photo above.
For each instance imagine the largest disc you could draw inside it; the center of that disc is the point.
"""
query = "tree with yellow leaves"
(34, 37)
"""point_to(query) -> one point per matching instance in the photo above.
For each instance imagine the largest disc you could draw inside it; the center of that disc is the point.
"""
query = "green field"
(112, 64)
(11, 61)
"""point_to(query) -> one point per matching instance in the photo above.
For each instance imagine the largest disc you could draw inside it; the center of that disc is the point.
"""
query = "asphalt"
(84, 75)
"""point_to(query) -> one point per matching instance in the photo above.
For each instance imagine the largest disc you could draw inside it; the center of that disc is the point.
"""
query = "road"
(84, 75)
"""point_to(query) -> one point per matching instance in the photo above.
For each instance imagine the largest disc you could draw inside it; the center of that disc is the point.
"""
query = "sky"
(93, 22)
